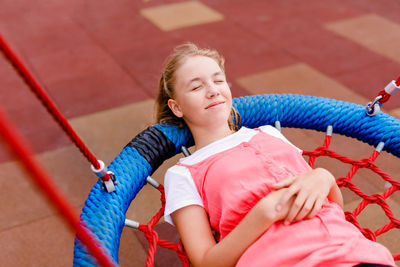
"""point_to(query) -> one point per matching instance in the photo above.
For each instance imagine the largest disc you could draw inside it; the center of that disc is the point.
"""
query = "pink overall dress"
(231, 182)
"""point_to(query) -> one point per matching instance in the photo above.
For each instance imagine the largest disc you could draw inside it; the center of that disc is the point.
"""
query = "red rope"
(385, 95)
(378, 199)
(48, 103)
(56, 197)
(154, 240)
(397, 82)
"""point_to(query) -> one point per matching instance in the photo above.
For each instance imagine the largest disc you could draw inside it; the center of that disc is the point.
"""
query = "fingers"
(308, 206)
(295, 208)
(309, 192)
(317, 207)
(304, 207)
(285, 182)
(289, 193)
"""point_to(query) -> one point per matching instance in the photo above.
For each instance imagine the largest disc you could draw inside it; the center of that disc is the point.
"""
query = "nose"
(212, 90)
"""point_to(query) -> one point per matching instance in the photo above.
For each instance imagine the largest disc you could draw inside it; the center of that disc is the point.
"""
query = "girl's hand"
(267, 205)
(310, 191)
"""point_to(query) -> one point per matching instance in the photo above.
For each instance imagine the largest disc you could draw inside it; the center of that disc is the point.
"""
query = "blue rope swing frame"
(104, 213)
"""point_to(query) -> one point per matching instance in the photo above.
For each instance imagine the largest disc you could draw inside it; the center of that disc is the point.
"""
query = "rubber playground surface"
(100, 61)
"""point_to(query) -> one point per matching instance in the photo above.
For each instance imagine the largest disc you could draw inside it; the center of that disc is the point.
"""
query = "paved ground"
(100, 61)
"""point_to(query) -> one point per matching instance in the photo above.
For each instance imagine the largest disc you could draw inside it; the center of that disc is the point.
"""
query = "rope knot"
(321, 151)
(368, 233)
(351, 218)
(366, 163)
(342, 181)
(376, 198)
(149, 233)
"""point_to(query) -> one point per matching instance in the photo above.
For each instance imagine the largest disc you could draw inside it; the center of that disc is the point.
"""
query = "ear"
(175, 108)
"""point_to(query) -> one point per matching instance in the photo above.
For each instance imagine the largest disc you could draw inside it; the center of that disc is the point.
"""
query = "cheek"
(192, 103)
(227, 93)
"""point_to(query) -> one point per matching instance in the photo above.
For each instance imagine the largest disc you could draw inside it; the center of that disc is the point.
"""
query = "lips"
(214, 104)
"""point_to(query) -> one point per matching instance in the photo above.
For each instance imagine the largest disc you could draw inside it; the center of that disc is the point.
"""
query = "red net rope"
(154, 240)
(379, 199)
(323, 150)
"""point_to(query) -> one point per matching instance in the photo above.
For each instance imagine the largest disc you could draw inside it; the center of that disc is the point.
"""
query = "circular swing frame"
(104, 213)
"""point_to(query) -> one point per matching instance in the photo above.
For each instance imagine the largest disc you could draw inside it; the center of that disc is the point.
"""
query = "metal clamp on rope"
(152, 182)
(101, 172)
(132, 224)
(374, 107)
(185, 151)
(329, 130)
(380, 147)
(391, 88)
(278, 126)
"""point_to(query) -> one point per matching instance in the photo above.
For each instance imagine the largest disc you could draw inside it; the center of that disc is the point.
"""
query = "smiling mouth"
(214, 104)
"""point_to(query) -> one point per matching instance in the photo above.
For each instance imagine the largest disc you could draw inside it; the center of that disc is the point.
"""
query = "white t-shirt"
(180, 190)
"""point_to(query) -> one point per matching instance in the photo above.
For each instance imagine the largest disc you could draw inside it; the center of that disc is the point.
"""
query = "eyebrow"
(197, 78)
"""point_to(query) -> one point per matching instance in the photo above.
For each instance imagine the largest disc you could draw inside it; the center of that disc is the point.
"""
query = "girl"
(251, 187)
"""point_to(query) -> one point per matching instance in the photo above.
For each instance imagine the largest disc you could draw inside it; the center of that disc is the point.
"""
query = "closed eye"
(196, 87)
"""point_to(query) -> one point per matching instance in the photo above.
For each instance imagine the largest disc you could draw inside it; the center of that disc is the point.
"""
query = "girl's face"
(202, 95)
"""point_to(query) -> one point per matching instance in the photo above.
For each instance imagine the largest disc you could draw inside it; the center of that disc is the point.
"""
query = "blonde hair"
(164, 115)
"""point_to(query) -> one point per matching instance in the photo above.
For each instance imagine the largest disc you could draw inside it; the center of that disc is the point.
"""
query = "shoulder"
(177, 169)
(180, 191)
(176, 173)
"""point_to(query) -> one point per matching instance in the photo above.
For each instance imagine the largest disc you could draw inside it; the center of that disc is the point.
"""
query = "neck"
(205, 136)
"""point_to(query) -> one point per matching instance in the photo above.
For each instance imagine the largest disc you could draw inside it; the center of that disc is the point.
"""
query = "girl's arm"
(311, 190)
(194, 229)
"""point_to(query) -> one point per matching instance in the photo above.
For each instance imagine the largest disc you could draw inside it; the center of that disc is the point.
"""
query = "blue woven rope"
(310, 112)
(104, 213)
